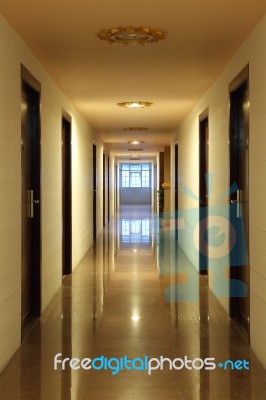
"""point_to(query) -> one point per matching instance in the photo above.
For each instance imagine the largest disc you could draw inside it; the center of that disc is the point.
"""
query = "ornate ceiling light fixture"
(136, 128)
(135, 104)
(130, 34)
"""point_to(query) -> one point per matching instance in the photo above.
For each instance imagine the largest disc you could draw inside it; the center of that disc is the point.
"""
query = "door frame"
(36, 284)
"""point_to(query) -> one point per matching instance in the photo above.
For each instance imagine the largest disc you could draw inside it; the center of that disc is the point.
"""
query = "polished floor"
(122, 300)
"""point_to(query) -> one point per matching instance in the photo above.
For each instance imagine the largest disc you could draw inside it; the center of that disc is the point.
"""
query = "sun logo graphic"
(209, 238)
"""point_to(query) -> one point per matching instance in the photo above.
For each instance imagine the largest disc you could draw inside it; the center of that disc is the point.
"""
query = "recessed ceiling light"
(135, 142)
(135, 149)
(135, 104)
(131, 35)
(135, 129)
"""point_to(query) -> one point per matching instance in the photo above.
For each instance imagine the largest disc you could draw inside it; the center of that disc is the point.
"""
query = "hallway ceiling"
(202, 37)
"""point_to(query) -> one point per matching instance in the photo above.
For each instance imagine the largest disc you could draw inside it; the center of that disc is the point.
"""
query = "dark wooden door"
(104, 184)
(155, 187)
(116, 188)
(203, 192)
(239, 208)
(94, 182)
(66, 198)
(176, 177)
(108, 187)
(176, 191)
(30, 203)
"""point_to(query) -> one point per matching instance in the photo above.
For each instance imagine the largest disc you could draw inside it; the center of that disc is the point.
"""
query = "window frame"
(135, 176)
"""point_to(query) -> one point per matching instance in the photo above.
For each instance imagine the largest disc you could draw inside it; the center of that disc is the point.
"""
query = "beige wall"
(13, 52)
(253, 51)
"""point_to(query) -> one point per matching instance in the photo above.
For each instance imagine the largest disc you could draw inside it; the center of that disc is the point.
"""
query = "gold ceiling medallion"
(132, 128)
(129, 34)
(135, 104)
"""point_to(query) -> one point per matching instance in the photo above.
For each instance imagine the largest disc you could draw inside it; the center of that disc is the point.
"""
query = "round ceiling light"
(135, 142)
(135, 104)
(130, 34)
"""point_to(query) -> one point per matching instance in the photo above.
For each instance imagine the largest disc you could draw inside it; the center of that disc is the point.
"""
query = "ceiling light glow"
(135, 142)
(135, 104)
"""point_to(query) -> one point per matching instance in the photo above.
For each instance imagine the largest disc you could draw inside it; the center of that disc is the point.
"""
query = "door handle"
(31, 203)
(237, 202)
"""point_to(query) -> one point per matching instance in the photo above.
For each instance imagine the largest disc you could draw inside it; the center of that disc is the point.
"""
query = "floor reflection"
(133, 294)
(201, 328)
(135, 231)
(135, 226)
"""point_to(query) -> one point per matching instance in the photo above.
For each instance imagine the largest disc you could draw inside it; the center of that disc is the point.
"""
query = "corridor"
(122, 301)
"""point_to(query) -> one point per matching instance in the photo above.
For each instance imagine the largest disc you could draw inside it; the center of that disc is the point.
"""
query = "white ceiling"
(202, 37)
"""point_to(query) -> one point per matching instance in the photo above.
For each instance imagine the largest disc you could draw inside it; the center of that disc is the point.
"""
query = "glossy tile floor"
(121, 301)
